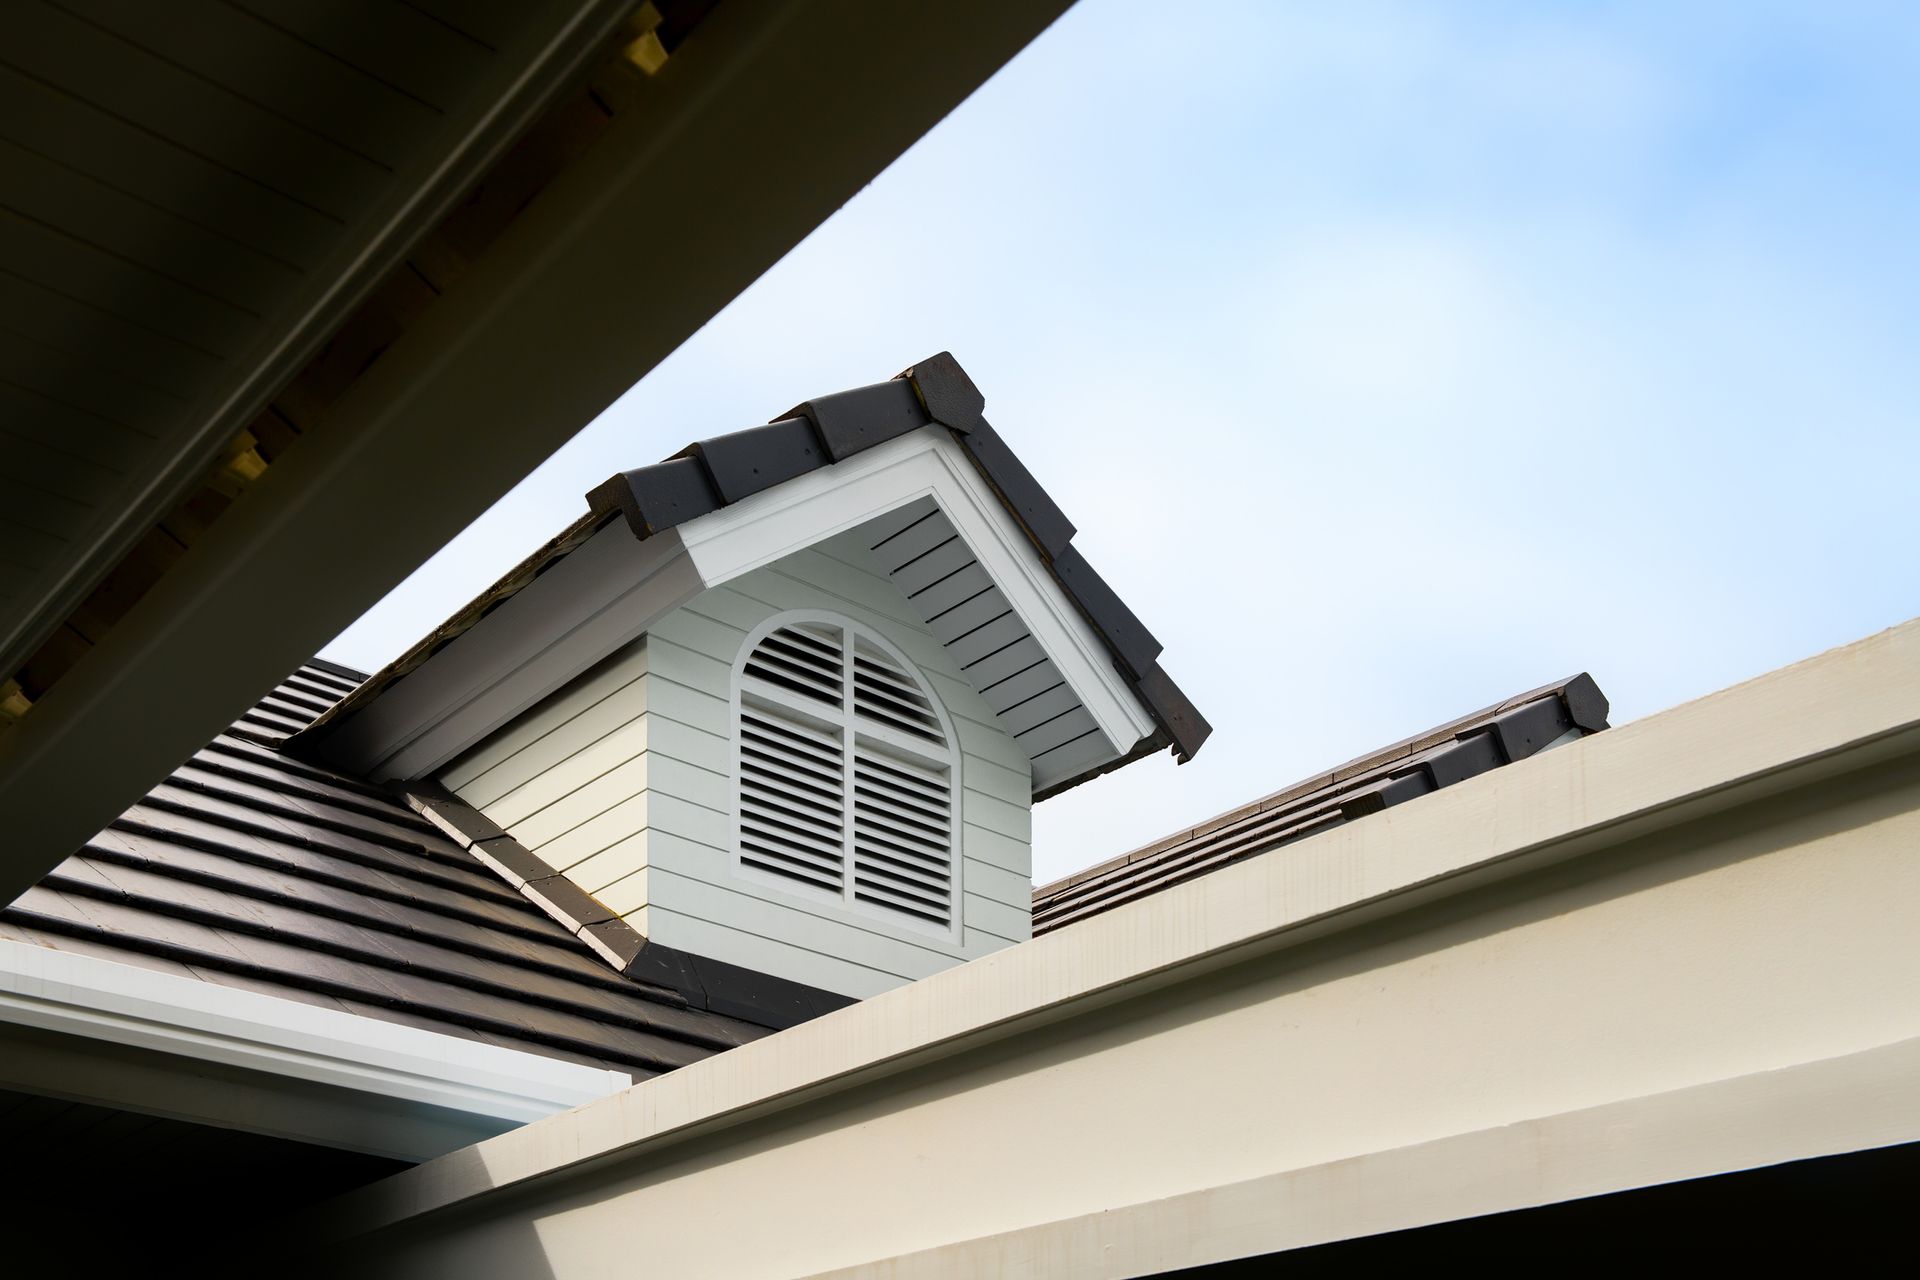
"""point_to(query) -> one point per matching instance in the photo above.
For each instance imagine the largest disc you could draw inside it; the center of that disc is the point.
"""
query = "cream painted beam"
(1593, 955)
(763, 123)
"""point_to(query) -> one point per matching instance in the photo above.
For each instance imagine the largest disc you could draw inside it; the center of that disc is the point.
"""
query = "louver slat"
(800, 660)
(884, 693)
(792, 800)
(902, 848)
(876, 829)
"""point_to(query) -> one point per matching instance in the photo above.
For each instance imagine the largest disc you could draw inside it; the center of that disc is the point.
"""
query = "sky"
(1391, 359)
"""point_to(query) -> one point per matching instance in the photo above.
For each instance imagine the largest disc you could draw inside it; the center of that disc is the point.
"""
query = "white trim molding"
(613, 588)
(851, 728)
(115, 1034)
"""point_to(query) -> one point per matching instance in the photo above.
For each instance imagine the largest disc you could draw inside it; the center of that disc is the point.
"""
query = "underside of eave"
(557, 111)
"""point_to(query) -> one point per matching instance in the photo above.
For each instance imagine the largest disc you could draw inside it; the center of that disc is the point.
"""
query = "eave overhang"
(94, 1030)
(577, 275)
(655, 536)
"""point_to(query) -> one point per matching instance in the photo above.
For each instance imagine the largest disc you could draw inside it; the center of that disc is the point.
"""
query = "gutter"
(1844, 710)
(123, 1036)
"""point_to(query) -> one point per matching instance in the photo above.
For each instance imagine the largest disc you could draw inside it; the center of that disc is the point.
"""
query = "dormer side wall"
(624, 782)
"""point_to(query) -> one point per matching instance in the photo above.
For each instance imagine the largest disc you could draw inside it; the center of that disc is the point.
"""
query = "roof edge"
(1585, 706)
(714, 473)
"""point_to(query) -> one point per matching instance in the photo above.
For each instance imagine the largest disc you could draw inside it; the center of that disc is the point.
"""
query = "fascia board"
(609, 591)
(290, 1046)
(768, 526)
(1842, 710)
(602, 596)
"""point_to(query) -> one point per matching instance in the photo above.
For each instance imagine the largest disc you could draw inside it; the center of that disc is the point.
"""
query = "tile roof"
(714, 473)
(247, 868)
(1494, 736)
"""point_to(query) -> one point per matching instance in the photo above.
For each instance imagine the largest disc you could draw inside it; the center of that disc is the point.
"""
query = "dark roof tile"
(250, 869)
(1451, 753)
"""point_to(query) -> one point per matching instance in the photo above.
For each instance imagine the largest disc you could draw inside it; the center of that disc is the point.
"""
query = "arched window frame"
(854, 731)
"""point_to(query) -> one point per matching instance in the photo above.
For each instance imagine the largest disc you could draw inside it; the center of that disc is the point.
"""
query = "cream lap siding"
(623, 781)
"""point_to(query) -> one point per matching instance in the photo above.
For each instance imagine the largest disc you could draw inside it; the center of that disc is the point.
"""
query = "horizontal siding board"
(849, 938)
(650, 810)
(624, 860)
(627, 898)
(1014, 821)
(696, 708)
(709, 673)
(768, 955)
(986, 845)
(1009, 887)
(610, 676)
(662, 775)
(990, 743)
(1011, 785)
(626, 743)
(998, 918)
(703, 634)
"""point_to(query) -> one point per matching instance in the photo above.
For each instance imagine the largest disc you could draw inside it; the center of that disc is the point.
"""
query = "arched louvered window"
(845, 779)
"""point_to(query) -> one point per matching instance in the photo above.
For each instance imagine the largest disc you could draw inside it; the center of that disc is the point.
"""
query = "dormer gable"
(785, 699)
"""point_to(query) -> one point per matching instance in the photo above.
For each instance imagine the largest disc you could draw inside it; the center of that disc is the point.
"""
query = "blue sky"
(1391, 359)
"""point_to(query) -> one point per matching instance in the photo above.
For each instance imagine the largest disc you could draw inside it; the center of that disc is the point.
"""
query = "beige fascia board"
(1832, 1106)
(762, 124)
(1845, 709)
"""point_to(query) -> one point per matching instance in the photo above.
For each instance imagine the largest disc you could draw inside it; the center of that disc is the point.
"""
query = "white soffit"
(607, 593)
(329, 1077)
(902, 476)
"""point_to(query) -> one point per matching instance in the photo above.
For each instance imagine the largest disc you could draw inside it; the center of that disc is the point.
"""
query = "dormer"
(782, 703)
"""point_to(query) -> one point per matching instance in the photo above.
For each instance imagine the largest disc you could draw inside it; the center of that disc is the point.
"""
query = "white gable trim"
(611, 590)
(120, 1035)
(768, 526)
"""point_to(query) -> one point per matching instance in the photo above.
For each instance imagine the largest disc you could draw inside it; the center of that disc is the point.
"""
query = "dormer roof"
(912, 460)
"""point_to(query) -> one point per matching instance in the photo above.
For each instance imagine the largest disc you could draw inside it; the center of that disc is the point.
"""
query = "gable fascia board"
(587, 605)
(608, 592)
(328, 1076)
(758, 530)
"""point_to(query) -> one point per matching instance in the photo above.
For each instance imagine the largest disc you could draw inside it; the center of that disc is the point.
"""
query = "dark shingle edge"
(1501, 734)
(711, 474)
(704, 983)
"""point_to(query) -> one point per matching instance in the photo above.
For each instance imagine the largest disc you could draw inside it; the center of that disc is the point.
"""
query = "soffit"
(747, 499)
(195, 193)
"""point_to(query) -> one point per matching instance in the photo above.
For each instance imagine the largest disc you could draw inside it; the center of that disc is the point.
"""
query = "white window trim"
(844, 905)
(809, 509)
